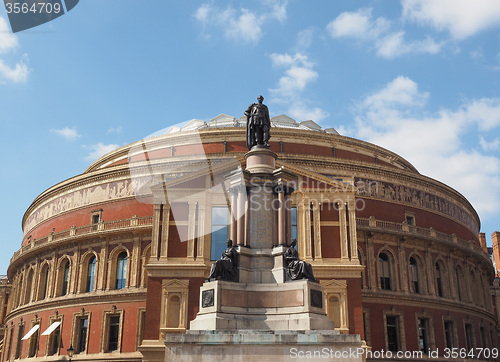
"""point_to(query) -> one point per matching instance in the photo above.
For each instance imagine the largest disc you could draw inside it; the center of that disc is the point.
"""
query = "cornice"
(386, 173)
(129, 295)
(421, 301)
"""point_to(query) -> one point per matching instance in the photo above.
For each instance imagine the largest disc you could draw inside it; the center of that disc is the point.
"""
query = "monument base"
(295, 306)
(261, 346)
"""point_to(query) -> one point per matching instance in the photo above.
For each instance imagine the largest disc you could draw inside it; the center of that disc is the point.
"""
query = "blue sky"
(420, 78)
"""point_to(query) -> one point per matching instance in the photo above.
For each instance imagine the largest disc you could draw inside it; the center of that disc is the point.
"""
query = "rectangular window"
(114, 332)
(423, 338)
(53, 333)
(220, 231)
(95, 218)
(483, 337)
(294, 222)
(11, 334)
(20, 333)
(65, 279)
(33, 344)
(410, 220)
(56, 340)
(448, 334)
(392, 333)
(83, 325)
(468, 336)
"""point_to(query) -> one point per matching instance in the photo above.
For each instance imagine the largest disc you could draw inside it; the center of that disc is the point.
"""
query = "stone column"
(452, 289)
(304, 214)
(246, 236)
(52, 282)
(75, 268)
(241, 215)
(201, 231)
(136, 265)
(288, 208)
(467, 289)
(352, 230)
(156, 231)
(102, 283)
(371, 273)
(163, 244)
(317, 230)
(429, 271)
(191, 230)
(403, 265)
(234, 211)
(281, 216)
(344, 250)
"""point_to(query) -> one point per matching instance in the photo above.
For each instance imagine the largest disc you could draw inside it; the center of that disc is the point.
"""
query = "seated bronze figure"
(295, 268)
(226, 267)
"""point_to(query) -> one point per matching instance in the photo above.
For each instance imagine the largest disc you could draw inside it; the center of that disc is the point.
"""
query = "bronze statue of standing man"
(258, 124)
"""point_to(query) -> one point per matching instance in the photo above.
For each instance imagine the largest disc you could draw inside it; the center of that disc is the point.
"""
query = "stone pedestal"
(294, 306)
(260, 160)
(262, 346)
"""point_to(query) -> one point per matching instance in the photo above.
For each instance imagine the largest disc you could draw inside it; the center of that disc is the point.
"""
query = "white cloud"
(278, 9)
(299, 73)
(485, 112)
(303, 112)
(304, 39)
(17, 74)
(358, 24)
(240, 24)
(8, 41)
(361, 26)
(394, 45)
(395, 118)
(489, 146)
(115, 129)
(70, 134)
(99, 150)
(461, 18)
(203, 12)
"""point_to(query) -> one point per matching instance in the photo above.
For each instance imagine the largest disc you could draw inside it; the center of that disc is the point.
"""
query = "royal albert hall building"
(113, 259)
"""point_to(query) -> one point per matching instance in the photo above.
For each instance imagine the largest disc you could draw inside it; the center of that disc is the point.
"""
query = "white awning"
(32, 330)
(51, 328)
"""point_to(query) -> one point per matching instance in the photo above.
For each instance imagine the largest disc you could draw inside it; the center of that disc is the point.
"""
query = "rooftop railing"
(103, 226)
(429, 233)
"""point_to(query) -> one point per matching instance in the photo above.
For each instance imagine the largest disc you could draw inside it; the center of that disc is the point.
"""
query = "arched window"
(90, 274)
(44, 282)
(414, 281)
(439, 280)
(121, 270)
(27, 290)
(65, 278)
(385, 271)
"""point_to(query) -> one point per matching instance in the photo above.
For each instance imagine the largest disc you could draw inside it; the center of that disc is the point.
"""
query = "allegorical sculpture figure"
(258, 124)
(296, 268)
(226, 267)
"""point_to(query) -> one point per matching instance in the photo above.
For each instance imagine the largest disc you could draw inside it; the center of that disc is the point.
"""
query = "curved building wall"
(424, 268)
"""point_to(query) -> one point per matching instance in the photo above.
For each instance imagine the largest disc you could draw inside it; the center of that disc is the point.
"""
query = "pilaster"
(344, 249)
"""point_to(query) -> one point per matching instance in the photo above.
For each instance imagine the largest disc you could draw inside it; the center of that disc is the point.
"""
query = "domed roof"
(308, 137)
(223, 120)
